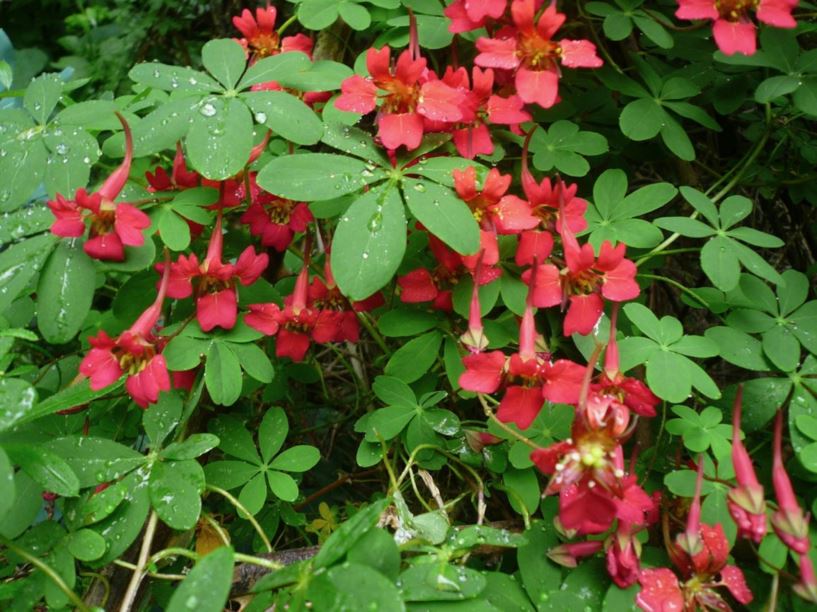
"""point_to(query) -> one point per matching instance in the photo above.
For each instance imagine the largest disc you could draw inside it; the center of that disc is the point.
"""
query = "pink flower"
(491, 207)
(261, 38)
(789, 522)
(467, 15)
(733, 29)
(410, 97)
(479, 107)
(179, 179)
(135, 353)
(747, 505)
(216, 300)
(528, 49)
(112, 225)
(585, 282)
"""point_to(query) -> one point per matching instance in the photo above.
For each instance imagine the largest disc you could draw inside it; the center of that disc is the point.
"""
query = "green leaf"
(297, 459)
(564, 147)
(720, 263)
(345, 536)
(353, 141)
(776, 86)
(434, 582)
(378, 550)
(173, 230)
(644, 319)
(352, 586)
(805, 98)
(220, 137)
(95, 460)
(401, 322)
(793, 292)
(254, 361)
(715, 511)
(733, 210)
(222, 374)
(322, 75)
(283, 486)
(756, 264)
(682, 483)
(17, 399)
(316, 176)
(668, 376)
(738, 348)
(617, 26)
(355, 15)
(272, 432)
(121, 528)
(42, 96)
(369, 243)
(172, 78)
(414, 358)
(654, 31)
(443, 214)
(275, 68)
(685, 226)
(19, 263)
(207, 586)
(161, 129)
(25, 412)
(6, 483)
(86, 545)
(285, 115)
(235, 440)
(175, 492)
(675, 137)
(540, 576)
(161, 418)
(523, 486)
(225, 59)
(92, 115)
(803, 323)
(28, 502)
(782, 348)
(230, 474)
(642, 119)
(65, 292)
(47, 468)
(702, 204)
(194, 446)
(317, 14)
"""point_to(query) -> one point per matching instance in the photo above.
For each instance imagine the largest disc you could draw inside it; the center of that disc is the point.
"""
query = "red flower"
(530, 51)
(584, 282)
(179, 179)
(479, 107)
(276, 220)
(789, 522)
(422, 285)
(260, 37)
(292, 326)
(216, 300)
(410, 97)
(467, 15)
(135, 353)
(112, 225)
(733, 28)
(746, 501)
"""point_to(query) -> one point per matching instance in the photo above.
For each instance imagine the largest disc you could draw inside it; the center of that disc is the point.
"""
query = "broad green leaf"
(738, 348)
(161, 418)
(229, 474)
(173, 230)
(720, 263)
(793, 292)
(402, 322)
(194, 446)
(352, 586)
(353, 141)
(804, 326)
(95, 460)
(47, 468)
(272, 433)
(756, 264)
(159, 130)
(92, 115)
(776, 86)
(6, 483)
(316, 176)
(387, 423)
(297, 459)
(668, 376)
(65, 292)
(685, 226)
(317, 14)
(42, 96)
(225, 59)
(254, 361)
(175, 492)
(782, 348)
(653, 30)
(644, 319)
(207, 587)
(28, 502)
(443, 214)
(369, 243)
(675, 137)
(539, 574)
(234, 439)
(274, 68)
(283, 486)
(436, 582)
(17, 399)
(121, 528)
(285, 115)
(322, 75)
(222, 374)
(86, 545)
(734, 209)
(415, 358)
(71, 396)
(172, 78)
(220, 137)
(642, 119)
(355, 15)
(18, 265)
(378, 550)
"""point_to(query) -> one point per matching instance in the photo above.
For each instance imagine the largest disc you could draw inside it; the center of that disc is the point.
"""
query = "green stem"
(230, 498)
(677, 285)
(48, 571)
(365, 322)
(492, 416)
(286, 24)
(260, 561)
(141, 564)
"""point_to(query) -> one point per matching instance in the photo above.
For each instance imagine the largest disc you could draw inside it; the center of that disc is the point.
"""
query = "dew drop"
(208, 110)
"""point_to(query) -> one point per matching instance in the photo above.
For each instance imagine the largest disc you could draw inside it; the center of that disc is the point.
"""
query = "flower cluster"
(312, 313)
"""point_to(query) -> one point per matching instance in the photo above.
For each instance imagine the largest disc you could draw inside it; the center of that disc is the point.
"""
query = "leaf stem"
(230, 498)
(492, 415)
(141, 564)
(48, 571)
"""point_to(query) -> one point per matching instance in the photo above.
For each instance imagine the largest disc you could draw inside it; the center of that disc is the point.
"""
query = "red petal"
(417, 286)
(358, 95)
(439, 102)
(483, 372)
(697, 9)
(660, 591)
(264, 318)
(497, 53)
(538, 86)
(397, 129)
(107, 247)
(533, 246)
(579, 54)
(735, 37)
(218, 309)
(291, 344)
(732, 576)
(130, 221)
(520, 405)
(583, 314)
